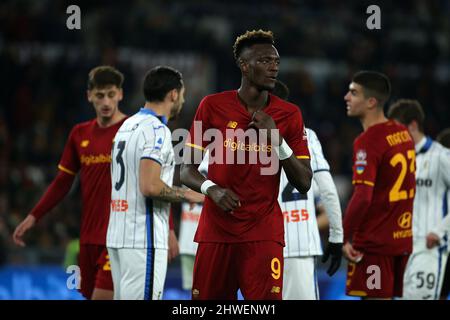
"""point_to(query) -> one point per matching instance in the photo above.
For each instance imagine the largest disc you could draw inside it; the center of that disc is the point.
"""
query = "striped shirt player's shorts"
(138, 274)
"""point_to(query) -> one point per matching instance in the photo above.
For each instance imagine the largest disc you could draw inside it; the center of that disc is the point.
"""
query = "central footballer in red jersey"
(88, 152)
(241, 231)
(378, 220)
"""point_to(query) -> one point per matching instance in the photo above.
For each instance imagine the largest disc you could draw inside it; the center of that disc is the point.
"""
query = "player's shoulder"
(310, 133)
(312, 136)
(438, 149)
(141, 120)
(85, 125)
(378, 132)
(284, 105)
(220, 97)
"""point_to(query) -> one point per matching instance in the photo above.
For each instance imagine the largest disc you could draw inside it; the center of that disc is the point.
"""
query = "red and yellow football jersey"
(259, 217)
(88, 151)
(384, 158)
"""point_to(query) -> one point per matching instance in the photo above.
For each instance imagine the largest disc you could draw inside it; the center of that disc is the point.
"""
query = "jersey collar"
(424, 145)
(163, 119)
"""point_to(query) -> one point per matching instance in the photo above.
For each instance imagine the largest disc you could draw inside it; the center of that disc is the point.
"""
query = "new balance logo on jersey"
(232, 124)
(275, 289)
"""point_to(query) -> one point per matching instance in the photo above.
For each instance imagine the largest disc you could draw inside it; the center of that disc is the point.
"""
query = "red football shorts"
(95, 269)
(376, 276)
(255, 267)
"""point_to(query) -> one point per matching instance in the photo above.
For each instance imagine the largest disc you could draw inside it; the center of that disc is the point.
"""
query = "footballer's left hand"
(335, 251)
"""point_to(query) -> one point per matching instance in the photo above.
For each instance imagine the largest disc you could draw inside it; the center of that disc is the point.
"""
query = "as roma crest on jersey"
(360, 162)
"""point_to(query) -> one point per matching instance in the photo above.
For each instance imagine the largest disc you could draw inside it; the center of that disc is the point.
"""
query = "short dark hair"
(250, 38)
(444, 138)
(405, 111)
(159, 81)
(375, 84)
(104, 76)
(281, 90)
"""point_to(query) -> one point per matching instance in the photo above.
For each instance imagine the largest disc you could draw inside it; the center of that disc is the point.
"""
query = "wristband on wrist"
(205, 185)
(283, 151)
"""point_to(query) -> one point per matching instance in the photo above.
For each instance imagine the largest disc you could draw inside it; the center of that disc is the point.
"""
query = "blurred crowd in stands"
(44, 69)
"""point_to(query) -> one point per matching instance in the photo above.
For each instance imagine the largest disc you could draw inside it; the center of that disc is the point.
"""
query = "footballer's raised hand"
(261, 120)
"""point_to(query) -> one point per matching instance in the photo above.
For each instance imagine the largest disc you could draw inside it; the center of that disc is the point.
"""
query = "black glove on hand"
(335, 250)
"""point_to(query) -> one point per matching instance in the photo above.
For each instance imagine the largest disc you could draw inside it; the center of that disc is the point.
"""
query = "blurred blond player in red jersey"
(87, 152)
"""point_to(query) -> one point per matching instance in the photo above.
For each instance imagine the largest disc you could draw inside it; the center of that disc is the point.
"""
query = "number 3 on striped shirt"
(396, 194)
(119, 159)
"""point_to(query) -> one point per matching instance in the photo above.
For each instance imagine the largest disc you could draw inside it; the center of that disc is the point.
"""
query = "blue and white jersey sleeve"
(442, 229)
(154, 136)
(318, 161)
(432, 188)
(326, 188)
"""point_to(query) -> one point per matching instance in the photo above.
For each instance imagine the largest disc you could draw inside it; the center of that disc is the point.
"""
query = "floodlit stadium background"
(44, 69)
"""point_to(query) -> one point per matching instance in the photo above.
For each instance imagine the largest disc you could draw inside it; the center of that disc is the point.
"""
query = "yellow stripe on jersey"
(302, 157)
(60, 167)
(195, 146)
(369, 183)
(357, 293)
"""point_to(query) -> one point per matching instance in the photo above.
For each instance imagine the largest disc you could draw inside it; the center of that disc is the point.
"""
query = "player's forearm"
(57, 190)
(298, 172)
(191, 177)
(356, 210)
(330, 200)
(158, 190)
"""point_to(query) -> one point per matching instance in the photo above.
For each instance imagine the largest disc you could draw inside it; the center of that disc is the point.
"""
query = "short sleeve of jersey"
(296, 136)
(445, 165)
(318, 161)
(199, 126)
(153, 137)
(70, 161)
(365, 161)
